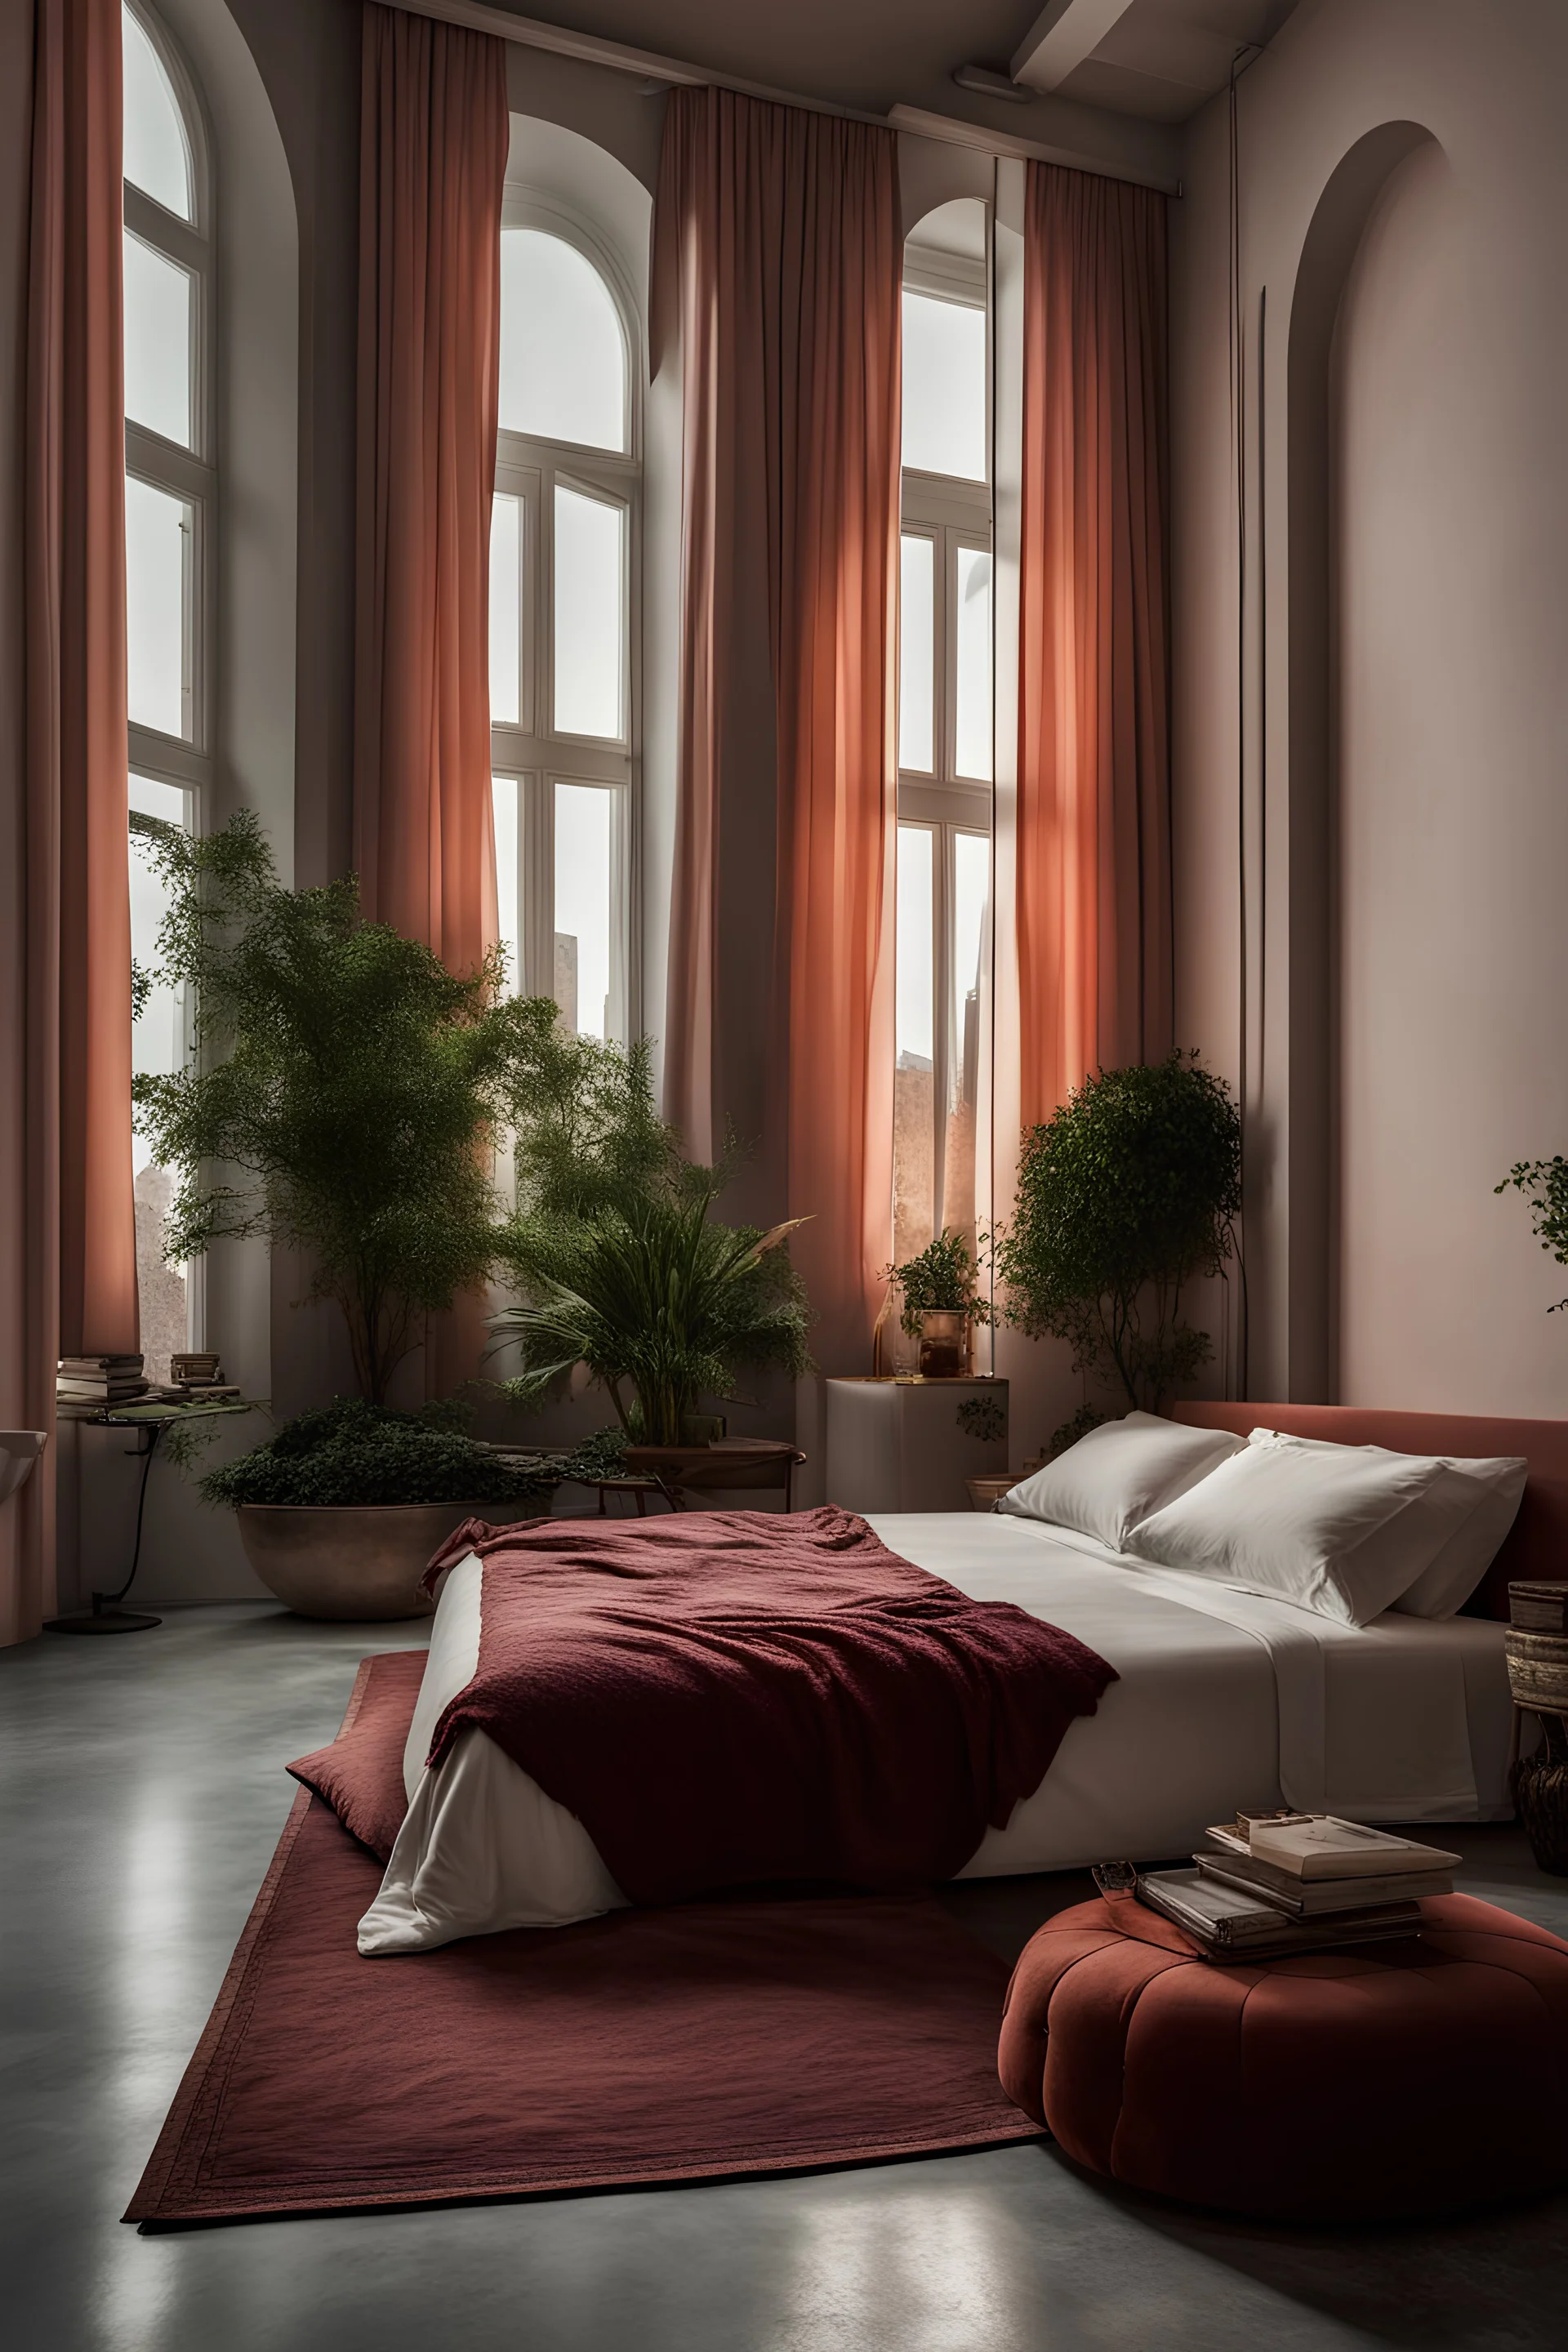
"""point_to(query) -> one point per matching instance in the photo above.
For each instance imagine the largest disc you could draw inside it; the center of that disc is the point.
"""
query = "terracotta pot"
(944, 1343)
(363, 1562)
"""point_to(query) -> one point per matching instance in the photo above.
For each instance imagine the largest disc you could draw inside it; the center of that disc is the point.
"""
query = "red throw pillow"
(361, 1774)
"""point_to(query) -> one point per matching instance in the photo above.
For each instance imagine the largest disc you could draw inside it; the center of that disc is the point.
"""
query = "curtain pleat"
(433, 132)
(1094, 859)
(778, 258)
(69, 1280)
(433, 150)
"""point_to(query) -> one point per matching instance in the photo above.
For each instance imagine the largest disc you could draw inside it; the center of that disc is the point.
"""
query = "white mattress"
(1224, 1700)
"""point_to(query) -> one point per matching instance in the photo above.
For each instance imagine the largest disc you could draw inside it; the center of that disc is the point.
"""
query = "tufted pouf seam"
(1397, 2079)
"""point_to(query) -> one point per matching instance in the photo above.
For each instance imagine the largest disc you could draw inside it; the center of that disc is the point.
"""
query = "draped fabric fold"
(778, 259)
(433, 132)
(1094, 916)
(69, 1280)
(433, 147)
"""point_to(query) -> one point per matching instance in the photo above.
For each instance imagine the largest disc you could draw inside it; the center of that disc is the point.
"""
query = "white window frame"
(184, 761)
(189, 475)
(952, 512)
(534, 752)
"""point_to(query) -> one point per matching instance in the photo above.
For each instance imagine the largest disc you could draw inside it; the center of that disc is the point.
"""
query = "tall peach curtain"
(68, 1277)
(1094, 856)
(778, 258)
(434, 130)
(433, 149)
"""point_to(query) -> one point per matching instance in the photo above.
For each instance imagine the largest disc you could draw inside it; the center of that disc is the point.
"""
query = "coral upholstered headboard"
(1537, 1543)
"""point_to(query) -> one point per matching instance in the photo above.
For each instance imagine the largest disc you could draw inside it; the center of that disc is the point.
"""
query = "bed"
(1224, 1699)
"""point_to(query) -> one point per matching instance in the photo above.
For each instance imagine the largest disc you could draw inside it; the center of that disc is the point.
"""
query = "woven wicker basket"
(1538, 1670)
(1541, 1794)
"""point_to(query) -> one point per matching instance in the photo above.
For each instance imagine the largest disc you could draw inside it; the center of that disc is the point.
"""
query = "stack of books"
(199, 1379)
(1270, 1885)
(99, 1380)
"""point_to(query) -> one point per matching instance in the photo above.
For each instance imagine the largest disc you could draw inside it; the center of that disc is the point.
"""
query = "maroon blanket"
(728, 1696)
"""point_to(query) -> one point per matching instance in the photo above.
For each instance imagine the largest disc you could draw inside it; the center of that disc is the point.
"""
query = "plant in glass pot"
(342, 1100)
(620, 1264)
(942, 1304)
(1125, 1196)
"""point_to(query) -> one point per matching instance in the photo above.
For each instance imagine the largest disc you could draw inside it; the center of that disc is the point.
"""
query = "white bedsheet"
(1224, 1699)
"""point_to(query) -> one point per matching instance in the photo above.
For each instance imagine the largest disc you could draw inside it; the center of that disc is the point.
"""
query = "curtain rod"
(531, 32)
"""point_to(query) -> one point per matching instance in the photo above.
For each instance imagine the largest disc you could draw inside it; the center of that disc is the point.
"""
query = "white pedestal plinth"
(909, 1445)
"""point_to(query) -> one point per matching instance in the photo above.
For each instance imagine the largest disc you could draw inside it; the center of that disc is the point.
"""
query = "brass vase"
(944, 1343)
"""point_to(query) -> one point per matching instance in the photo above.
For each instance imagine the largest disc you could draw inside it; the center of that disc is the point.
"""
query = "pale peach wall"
(1435, 973)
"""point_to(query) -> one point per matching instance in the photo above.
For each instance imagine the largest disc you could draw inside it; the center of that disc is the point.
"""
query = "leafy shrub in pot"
(1125, 1196)
(353, 1455)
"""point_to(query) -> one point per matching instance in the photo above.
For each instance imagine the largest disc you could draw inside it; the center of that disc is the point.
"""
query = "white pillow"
(1326, 1527)
(1469, 1511)
(1494, 1489)
(1120, 1472)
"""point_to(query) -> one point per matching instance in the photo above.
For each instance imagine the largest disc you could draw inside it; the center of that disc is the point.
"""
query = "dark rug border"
(154, 2211)
(149, 2196)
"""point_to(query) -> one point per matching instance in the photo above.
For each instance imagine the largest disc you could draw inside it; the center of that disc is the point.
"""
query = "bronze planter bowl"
(363, 1560)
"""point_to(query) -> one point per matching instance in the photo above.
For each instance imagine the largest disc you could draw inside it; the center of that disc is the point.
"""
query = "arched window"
(944, 727)
(169, 485)
(564, 567)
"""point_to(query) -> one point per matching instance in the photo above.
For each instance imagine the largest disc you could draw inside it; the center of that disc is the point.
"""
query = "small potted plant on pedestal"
(942, 1304)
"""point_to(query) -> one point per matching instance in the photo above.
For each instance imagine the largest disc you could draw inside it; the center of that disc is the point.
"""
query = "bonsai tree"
(621, 1265)
(1545, 1184)
(1126, 1194)
(942, 1278)
(344, 1096)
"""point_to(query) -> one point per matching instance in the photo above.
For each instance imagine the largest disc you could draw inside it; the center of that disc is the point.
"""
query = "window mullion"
(536, 830)
(942, 987)
(147, 219)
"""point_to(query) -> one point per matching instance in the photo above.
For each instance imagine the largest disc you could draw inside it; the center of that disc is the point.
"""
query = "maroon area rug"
(693, 2043)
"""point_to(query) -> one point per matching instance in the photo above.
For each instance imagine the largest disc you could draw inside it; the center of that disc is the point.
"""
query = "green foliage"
(943, 1277)
(983, 1417)
(621, 1265)
(344, 1096)
(1124, 1195)
(353, 1453)
(656, 1298)
(1545, 1184)
(586, 1134)
(1085, 1419)
(599, 1457)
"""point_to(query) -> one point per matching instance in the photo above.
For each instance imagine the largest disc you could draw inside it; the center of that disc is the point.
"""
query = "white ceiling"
(1158, 62)
(1162, 58)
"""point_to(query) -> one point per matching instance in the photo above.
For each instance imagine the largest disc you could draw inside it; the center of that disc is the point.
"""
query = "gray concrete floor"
(142, 1796)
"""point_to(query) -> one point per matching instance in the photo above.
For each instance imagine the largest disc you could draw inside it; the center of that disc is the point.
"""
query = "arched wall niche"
(1298, 959)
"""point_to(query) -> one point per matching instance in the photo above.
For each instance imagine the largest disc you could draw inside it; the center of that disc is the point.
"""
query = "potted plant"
(341, 1511)
(620, 1264)
(343, 1100)
(942, 1304)
(1125, 1195)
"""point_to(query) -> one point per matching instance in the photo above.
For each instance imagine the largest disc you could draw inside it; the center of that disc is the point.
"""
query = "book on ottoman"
(1315, 1898)
(1231, 1922)
(1314, 1865)
(1302, 1846)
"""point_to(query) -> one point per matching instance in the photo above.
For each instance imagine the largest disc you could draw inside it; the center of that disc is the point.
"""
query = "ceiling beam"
(651, 69)
(1063, 33)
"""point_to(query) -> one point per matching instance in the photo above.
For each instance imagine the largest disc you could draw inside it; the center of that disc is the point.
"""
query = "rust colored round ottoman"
(1406, 2078)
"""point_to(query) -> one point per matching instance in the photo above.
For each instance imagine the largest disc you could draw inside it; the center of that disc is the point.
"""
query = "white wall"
(1406, 823)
